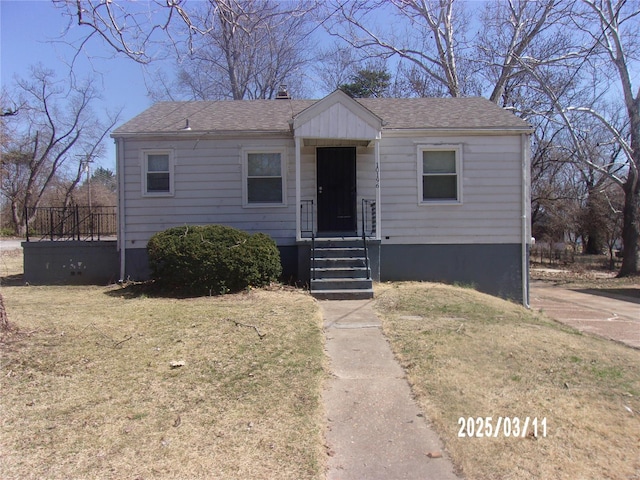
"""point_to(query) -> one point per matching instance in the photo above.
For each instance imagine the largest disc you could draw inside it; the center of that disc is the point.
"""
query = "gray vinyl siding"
(491, 208)
(207, 189)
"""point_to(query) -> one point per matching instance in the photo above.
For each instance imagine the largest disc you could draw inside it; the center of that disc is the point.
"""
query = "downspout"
(298, 192)
(526, 207)
(121, 206)
(378, 206)
(378, 194)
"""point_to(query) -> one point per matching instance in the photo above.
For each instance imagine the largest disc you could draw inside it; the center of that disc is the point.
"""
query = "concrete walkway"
(374, 428)
(608, 315)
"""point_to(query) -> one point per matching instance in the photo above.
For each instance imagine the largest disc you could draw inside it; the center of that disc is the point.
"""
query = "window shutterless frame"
(264, 177)
(439, 174)
(158, 173)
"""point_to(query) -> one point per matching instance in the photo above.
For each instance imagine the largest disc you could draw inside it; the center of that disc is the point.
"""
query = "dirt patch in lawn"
(96, 384)
(470, 356)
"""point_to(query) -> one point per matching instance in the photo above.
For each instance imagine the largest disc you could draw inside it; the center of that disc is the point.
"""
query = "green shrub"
(212, 259)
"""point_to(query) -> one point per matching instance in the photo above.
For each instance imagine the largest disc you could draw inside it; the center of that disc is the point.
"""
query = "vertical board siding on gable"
(207, 190)
(491, 192)
(336, 122)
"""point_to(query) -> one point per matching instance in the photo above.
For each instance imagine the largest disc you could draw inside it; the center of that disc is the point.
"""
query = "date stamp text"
(507, 427)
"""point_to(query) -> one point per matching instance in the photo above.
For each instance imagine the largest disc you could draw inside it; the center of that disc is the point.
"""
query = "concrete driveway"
(10, 244)
(607, 313)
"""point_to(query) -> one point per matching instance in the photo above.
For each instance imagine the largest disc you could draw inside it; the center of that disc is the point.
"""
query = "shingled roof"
(235, 116)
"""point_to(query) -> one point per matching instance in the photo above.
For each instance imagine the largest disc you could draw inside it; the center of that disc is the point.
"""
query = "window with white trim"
(439, 174)
(264, 178)
(157, 172)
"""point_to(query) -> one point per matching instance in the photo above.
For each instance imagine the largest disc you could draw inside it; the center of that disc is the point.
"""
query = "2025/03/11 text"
(488, 427)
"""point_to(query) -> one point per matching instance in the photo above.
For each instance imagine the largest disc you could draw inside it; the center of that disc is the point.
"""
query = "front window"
(439, 174)
(264, 178)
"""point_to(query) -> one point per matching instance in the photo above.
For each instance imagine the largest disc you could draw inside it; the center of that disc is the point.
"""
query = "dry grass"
(89, 391)
(472, 355)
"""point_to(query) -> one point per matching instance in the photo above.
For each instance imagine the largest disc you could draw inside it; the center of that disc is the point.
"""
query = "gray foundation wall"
(70, 263)
(493, 269)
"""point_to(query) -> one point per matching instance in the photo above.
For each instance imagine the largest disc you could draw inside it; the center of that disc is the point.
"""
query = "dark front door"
(336, 180)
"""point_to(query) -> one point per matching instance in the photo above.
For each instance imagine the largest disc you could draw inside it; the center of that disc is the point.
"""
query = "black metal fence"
(71, 223)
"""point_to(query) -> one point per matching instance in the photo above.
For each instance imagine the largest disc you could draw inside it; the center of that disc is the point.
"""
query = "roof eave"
(200, 133)
(456, 131)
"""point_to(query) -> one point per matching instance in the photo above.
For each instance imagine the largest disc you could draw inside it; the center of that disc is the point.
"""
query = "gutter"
(202, 133)
(430, 131)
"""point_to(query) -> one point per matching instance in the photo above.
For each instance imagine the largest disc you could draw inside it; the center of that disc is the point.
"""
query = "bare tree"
(550, 167)
(556, 189)
(137, 30)
(225, 48)
(253, 47)
(611, 32)
(432, 48)
(517, 31)
(5, 325)
(55, 126)
(335, 66)
(612, 228)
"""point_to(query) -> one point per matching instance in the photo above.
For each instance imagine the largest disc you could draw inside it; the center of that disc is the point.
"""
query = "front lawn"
(471, 356)
(98, 383)
(103, 382)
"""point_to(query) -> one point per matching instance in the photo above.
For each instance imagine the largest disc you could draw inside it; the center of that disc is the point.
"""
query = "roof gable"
(337, 116)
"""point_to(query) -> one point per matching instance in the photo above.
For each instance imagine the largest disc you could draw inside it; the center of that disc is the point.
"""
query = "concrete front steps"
(341, 271)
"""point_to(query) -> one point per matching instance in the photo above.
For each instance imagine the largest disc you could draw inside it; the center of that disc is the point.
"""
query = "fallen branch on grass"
(462, 330)
(238, 324)
(115, 344)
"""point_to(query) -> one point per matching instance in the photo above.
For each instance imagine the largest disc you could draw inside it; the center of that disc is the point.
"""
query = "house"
(437, 188)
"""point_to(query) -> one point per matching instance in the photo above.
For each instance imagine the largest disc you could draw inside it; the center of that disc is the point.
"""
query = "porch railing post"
(306, 219)
(313, 256)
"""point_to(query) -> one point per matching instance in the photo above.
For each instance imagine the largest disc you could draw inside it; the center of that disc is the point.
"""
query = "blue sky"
(30, 32)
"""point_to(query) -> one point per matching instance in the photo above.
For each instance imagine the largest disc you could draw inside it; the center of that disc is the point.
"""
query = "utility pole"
(87, 166)
(87, 161)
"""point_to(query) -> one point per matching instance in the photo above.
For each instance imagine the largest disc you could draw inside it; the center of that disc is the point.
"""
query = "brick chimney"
(282, 93)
